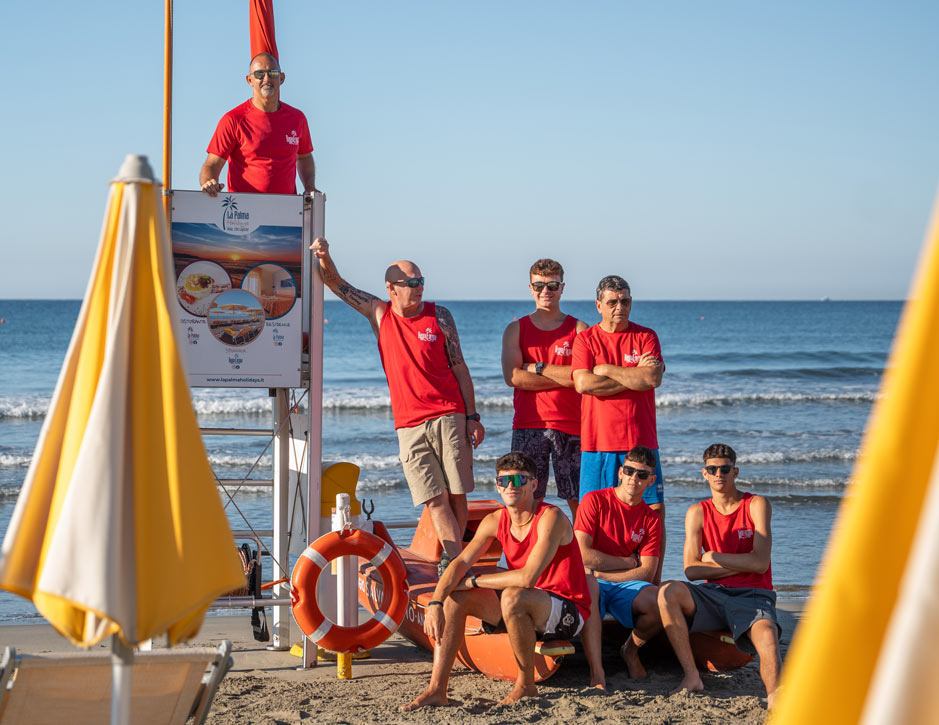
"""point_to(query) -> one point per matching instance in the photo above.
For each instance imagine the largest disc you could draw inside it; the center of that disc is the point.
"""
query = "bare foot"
(518, 692)
(428, 698)
(691, 683)
(771, 698)
(598, 680)
(630, 654)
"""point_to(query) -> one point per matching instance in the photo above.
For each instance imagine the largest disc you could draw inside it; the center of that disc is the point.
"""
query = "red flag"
(261, 24)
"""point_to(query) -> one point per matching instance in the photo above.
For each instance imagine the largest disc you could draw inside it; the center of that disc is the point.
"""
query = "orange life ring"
(394, 600)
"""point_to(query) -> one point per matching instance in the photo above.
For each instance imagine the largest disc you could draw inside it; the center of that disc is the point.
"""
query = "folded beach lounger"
(167, 686)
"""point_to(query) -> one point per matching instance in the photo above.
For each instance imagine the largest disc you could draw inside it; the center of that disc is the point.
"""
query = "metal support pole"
(280, 631)
(315, 397)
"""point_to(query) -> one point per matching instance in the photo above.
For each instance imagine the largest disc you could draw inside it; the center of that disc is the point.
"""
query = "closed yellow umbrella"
(119, 528)
(868, 650)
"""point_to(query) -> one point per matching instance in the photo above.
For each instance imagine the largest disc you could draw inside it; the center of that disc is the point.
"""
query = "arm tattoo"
(354, 297)
(445, 320)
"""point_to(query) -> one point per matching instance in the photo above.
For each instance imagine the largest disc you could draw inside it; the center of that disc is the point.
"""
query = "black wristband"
(432, 602)
(474, 416)
(473, 582)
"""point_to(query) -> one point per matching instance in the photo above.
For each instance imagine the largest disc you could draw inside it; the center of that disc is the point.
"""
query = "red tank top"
(733, 534)
(413, 354)
(559, 408)
(564, 575)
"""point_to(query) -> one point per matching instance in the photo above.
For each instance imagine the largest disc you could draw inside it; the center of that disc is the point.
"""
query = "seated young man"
(543, 593)
(620, 536)
(727, 543)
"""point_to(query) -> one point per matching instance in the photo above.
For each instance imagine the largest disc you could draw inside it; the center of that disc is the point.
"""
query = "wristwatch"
(539, 368)
(473, 416)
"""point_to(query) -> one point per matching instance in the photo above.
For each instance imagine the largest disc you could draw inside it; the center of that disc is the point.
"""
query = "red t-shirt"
(617, 528)
(262, 148)
(564, 575)
(413, 353)
(558, 408)
(733, 534)
(616, 422)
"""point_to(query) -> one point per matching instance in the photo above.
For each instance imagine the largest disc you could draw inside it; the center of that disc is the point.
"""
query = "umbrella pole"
(122, 661)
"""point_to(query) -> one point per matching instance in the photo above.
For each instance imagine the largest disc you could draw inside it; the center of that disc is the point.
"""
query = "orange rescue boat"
(491, 654)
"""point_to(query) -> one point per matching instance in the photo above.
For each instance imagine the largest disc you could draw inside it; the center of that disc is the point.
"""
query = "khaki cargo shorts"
(437, 457)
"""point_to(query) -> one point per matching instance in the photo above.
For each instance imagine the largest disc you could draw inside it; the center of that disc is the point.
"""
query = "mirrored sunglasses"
(259, 74)
(515, 480)
(412, 282)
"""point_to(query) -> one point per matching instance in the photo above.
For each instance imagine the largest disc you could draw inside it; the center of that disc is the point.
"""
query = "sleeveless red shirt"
(733, 534)
(559, 408)
(413, 354)
(564, 575)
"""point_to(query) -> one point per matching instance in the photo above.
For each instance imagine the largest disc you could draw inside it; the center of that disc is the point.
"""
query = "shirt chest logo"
(427, 336)
(744, 534)
(563, 350)
(293, 139)
(631, 358)
(637, 536)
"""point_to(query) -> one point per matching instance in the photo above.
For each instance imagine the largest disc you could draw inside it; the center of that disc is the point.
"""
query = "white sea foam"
(30, 405)
(694, 400)
(14, 460)
(761, 457)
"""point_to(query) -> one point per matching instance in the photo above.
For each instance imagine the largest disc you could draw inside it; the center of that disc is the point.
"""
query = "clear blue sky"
(721, 150)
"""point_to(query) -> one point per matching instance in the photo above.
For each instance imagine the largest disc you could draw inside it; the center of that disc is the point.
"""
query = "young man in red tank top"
(432, 397)
(536, 361)
(728, 544)
(544, 591)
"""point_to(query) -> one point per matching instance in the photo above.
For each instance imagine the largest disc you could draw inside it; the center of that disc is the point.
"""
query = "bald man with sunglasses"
(265, 142)
(432, 395)
(536, 362)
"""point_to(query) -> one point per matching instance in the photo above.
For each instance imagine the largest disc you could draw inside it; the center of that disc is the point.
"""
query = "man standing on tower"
(265, 141)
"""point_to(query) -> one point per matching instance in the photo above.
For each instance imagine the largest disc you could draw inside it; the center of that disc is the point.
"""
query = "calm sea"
(788, 384)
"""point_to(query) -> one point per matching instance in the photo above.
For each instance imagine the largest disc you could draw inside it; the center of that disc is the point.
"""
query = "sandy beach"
(267, 688)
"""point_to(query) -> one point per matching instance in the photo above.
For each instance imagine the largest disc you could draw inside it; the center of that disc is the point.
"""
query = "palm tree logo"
(228, 205)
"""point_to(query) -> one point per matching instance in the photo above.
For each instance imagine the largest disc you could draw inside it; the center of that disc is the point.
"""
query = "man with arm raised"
(432, 397)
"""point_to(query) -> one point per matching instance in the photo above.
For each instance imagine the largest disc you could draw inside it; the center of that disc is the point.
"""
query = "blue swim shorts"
(600, 469)
(616, 598)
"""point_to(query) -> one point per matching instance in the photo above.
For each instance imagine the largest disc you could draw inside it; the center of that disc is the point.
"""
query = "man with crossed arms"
(536, 361)
(617, 365)
(728, 543)
(619, 537)
(432, 396)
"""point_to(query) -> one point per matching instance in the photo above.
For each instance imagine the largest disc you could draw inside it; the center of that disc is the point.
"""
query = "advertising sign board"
(238, 262)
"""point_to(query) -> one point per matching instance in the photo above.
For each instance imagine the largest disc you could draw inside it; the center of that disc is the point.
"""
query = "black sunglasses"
(259, 74)
(412, 282)
(712, 470)
(639, 473)
(538, 286)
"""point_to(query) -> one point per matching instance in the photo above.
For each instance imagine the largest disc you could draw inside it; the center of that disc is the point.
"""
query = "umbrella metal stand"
(122, 661)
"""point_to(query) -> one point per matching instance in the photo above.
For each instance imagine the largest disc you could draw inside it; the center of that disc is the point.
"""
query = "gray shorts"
(733, 608)
(436, 457)
(544, 443)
